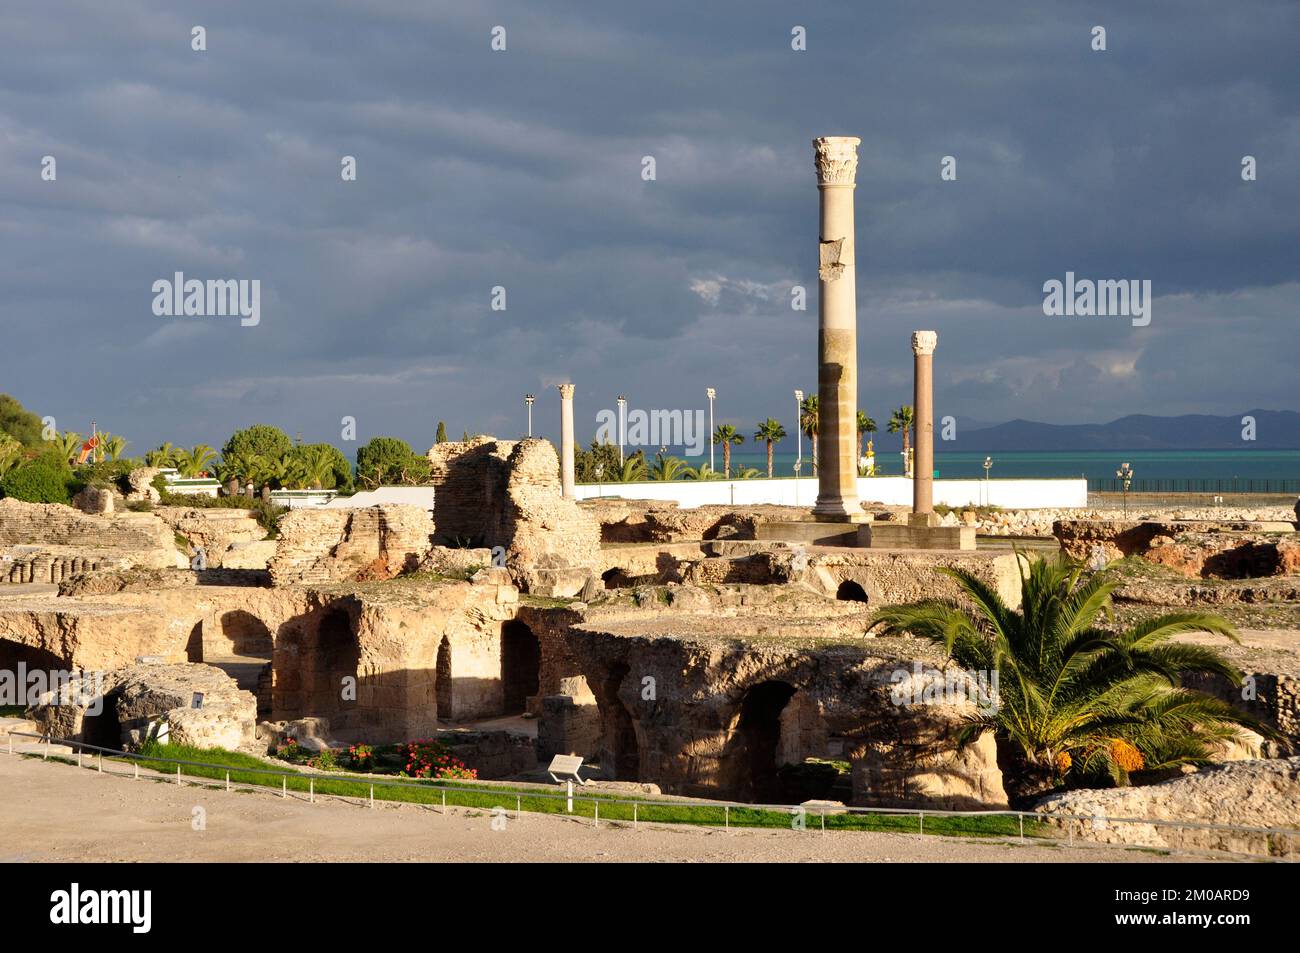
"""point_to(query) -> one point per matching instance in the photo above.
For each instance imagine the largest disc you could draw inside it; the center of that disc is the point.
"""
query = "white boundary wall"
(893, 491)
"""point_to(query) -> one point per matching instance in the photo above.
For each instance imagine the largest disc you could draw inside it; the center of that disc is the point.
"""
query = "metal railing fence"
(733, 813)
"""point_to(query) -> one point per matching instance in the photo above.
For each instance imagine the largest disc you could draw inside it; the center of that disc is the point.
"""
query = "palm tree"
(234, 471)
(163, 456)
(192, 462)
(865, 425)
(111, 445)
(726, 435)
(1077, 702)
(702, 472)
(810, 423)
(309, 468)
(769, 431)
(667, 467)
(632, 470)
(69, 444)
(903, 419)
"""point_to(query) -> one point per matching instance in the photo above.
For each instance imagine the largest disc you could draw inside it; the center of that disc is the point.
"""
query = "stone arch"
(336, 657)
(621, 745)
(758, 737)
(241, 645)
(851, 591)
(521, 661)
(33, 659)
(443, 683)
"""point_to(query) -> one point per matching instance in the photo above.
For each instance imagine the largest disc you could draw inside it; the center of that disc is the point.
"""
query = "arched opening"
(335, 660)
(851, 592)
(241, 647)
(443, 683)
(13, 654)
(620, 730)
(616, 578)
(521, 661)
(759, 730)
(103, 730)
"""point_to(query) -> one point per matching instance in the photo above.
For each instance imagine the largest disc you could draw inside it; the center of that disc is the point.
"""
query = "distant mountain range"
(1274, 430)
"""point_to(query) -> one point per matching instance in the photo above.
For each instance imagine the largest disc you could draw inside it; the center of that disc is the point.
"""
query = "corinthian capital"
(924, 342)
(566, 391)
(837, 159)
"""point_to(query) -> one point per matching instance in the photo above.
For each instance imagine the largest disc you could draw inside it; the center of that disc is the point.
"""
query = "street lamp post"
(599, 484)
(1125, 475)
(528, 399)
(798, 438)
(710, 393)
(988, 465)
(622, 426)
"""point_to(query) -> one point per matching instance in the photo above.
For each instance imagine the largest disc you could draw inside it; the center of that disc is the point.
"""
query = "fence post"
(823, 816)
(227, 782)
(284, 786)
(569, 801)
(634, 813)
(137, 770)
(1021, 818)
(47, 748)
(311, 790)
(78, 755)
(726, 816)
(921, 819)
(101, 762)
(11, 742)
(372, 797)
(519, 806)
(597, 805)
(178, 776)
(444, 802)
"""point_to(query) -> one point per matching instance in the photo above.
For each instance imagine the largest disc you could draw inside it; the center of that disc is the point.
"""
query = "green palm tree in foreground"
(727, 436)
(770, 432)
(1077, 703)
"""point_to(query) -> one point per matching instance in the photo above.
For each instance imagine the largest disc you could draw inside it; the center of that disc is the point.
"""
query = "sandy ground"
(52, 811)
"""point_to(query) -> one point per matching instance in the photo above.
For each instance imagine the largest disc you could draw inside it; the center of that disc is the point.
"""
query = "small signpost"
(565, 769)
(196, 700)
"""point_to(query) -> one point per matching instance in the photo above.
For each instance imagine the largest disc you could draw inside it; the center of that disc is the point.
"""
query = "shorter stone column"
(566, 442)
(923, 345)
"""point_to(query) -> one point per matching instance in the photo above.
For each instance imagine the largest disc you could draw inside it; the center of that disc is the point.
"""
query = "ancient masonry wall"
(507, 494)
(49, 542)
(325, 545)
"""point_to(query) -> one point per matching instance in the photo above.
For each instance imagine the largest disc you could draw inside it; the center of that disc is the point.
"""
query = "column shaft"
(566, 441)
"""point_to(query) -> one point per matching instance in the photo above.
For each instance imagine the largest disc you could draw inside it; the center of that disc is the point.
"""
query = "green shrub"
(36, 482)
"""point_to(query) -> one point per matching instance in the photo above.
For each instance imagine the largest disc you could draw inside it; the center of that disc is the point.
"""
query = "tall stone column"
(566, 441)
(923, 344)
(837, 359)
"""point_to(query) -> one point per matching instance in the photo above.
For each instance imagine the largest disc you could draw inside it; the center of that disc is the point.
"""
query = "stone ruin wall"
(691, 738)
(49, 542)
(321, 545)
(507, 494)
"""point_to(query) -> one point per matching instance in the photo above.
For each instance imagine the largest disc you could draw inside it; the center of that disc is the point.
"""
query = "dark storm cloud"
(522, 169)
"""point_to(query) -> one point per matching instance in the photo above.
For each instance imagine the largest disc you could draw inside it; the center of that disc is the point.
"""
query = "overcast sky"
(523, 169)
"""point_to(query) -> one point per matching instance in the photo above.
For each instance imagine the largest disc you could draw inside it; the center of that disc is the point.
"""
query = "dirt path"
(53, 811)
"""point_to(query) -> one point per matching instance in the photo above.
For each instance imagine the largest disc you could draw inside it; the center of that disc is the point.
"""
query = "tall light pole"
(528, 399)
(1125, 475)
(798, 438)
(710, 393)
(622, 426)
